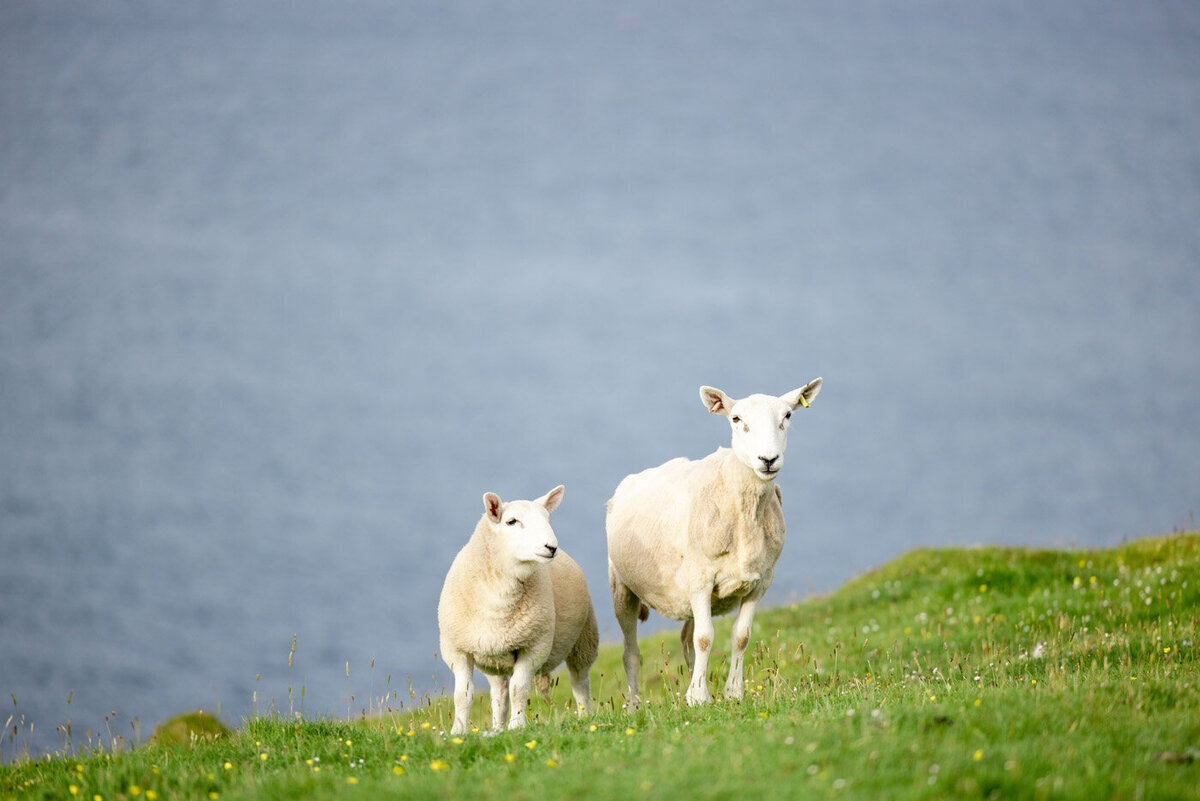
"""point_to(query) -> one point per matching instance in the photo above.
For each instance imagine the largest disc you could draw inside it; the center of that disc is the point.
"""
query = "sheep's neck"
(754, 531)
(750, 493)
(505, 586)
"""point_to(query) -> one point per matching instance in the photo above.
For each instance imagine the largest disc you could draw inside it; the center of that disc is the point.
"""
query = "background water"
(286, 287)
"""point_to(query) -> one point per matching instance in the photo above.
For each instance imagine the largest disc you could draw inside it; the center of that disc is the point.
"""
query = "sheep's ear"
(803, 396)
(492, 505)
(715, 400)
(553, 498)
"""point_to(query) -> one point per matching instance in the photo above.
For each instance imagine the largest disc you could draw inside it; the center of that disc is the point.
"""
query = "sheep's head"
(522, 529)
(760, 424)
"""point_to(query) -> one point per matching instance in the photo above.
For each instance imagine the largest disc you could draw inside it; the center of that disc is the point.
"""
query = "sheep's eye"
(787, 416)
(736, 419)
(512, 521)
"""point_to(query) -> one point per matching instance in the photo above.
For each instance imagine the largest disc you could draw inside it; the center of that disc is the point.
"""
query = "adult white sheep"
(515, 605)
(693, 539)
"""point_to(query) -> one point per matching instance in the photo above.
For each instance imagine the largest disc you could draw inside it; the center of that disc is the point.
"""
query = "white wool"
(514, 605)
(693, 539)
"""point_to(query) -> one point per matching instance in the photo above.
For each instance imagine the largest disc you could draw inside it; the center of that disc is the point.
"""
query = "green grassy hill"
(948, 673)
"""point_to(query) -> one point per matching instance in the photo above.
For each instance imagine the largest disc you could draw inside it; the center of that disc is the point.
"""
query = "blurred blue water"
(286, 287)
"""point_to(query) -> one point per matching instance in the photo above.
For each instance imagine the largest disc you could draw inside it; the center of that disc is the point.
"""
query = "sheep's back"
(647, 527)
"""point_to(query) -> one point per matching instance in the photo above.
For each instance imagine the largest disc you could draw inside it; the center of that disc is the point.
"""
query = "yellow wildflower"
(228, 765)
(425, 725)
(978, 755)
(438, 764)
(457, 741)
(151, 795)
(399, 771)
(74, 789)
(135, 790)
(510, 757)
(351, 780)
(531, 744)
(629, 732)
(550, 763)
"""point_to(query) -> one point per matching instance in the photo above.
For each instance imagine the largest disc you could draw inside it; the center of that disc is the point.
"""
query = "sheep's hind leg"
(741, 637)
(627, 607)
(581, 688)
(499, 691)
(579, 665)
(689, 648)
(702, 637)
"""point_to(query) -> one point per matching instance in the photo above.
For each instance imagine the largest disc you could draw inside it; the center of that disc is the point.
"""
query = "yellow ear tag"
(804, 401)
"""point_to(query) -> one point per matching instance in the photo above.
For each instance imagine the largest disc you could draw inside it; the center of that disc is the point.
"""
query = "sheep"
(515, 605)
(697, 538)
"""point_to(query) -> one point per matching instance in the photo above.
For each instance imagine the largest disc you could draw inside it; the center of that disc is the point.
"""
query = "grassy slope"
(1004, 673)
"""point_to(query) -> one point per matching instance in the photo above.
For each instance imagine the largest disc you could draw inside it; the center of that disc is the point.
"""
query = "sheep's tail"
(643, 613)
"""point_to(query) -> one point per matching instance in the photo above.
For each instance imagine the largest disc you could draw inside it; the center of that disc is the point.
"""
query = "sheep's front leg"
(499, 690)
(741, 637)
(702, 640)
(518, 687)
(463, 667)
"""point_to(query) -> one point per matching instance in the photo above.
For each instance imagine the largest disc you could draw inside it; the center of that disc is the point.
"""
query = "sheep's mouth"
(764, 473)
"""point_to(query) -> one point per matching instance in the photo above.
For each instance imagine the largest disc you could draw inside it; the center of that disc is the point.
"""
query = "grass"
(963, 673)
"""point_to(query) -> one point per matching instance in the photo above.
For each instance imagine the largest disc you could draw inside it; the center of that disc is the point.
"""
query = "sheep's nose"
(553, 549)
(768, 461)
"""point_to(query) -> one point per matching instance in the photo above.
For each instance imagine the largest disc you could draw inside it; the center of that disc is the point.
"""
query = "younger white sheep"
(515, 605)
(693, 539)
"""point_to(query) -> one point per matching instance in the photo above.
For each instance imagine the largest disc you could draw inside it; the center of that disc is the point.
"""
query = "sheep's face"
(522, 528)
(760, 424)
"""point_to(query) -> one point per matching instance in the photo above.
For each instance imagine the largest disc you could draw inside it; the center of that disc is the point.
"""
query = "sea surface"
(286, 286)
